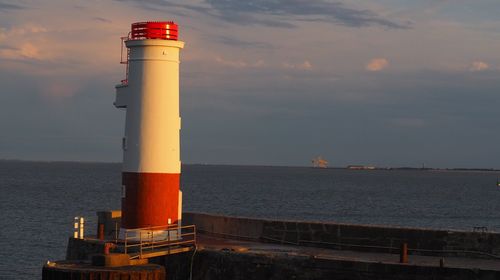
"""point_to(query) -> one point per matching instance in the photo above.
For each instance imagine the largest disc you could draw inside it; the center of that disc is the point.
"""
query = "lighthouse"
(151, 195)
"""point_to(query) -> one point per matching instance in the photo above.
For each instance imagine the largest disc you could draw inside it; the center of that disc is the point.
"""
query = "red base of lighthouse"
(150, 199)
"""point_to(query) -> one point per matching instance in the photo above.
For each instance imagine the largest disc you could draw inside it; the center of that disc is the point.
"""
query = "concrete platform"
(206, 242)
(82, 270)
(255, 249)
(355, 237)
(249, 260)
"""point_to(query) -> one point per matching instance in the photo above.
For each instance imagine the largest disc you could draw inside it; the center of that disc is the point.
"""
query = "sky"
(263, 82)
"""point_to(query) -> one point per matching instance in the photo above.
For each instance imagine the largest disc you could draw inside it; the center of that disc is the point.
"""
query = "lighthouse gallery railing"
(160, 240)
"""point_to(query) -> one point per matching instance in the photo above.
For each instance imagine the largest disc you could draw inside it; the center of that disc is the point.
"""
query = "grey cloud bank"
(333, 12)
(9, 6)
(284, 12)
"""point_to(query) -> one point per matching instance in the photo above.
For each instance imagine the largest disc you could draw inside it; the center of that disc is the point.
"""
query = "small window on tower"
(124, 143)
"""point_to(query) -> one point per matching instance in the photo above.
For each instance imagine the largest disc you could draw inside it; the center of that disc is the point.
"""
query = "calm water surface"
(38, 201)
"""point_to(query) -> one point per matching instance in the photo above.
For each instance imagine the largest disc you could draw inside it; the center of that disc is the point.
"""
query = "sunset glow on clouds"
(377, 64)
(18, 44)
(479, 66)
(238, 63)
(306, 65)
(257, 72)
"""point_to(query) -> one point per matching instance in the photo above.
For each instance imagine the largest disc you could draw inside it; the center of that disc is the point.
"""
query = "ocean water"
(38, 200)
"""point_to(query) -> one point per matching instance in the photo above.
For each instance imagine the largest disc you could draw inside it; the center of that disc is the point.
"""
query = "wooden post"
(100, 231)
(403, 253)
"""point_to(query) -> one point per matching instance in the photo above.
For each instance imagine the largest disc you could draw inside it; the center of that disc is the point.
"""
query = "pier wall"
(348, 236)
(215, 265)
(208, 263)
(83, 249)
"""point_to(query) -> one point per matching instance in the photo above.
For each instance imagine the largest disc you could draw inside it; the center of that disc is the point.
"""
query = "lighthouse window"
(124, 143)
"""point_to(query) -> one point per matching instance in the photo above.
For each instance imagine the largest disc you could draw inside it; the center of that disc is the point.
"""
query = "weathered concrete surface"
(83, 249)
(178, 266)
(243, 248)
(111, 260)
(206, 242)
(236, 227)
(111, 221)
(212, 265)
(83, 271)
(219, 258)
(347, 236)
(222, 258)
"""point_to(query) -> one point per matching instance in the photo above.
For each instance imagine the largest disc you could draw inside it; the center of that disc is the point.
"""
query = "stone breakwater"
(365, 238)
(212, 265)
(249, 249)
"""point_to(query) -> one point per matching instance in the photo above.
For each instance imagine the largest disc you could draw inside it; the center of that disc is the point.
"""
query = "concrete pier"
(81, 271)
(247, 249)
(222, 258)
(365, 238)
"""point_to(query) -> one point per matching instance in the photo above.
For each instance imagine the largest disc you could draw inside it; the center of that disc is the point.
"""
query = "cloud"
(57, 90)
(101, 19)
(238, 63)
(377, 64)
(319, 10)
(8, 7)
(26, 51)
(19, 31)
(306, 65)
(16, 45)
(234, 42)
(282, 13)
(29, 51)
(479, 66)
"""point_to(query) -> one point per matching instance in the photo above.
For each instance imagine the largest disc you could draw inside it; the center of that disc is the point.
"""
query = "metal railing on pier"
(157, 241)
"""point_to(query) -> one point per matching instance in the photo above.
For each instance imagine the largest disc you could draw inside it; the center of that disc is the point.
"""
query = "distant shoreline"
(427, 169)
(349, 167)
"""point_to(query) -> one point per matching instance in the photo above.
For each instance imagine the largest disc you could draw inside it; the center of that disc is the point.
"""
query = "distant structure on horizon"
(319, 162)
(361, 167)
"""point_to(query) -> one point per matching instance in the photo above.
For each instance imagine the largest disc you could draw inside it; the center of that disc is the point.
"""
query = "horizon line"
(266, 165)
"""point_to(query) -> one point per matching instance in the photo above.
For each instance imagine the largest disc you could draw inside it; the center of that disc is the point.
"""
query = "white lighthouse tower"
(151, 146)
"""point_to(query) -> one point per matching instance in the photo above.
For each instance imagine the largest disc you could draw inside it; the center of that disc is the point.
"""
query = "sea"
(39, 200)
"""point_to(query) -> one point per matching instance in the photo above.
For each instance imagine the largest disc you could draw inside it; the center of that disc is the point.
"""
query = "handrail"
(140, 241)
(158, 227)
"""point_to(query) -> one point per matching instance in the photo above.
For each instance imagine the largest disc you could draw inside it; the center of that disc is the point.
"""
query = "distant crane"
(319, 162)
